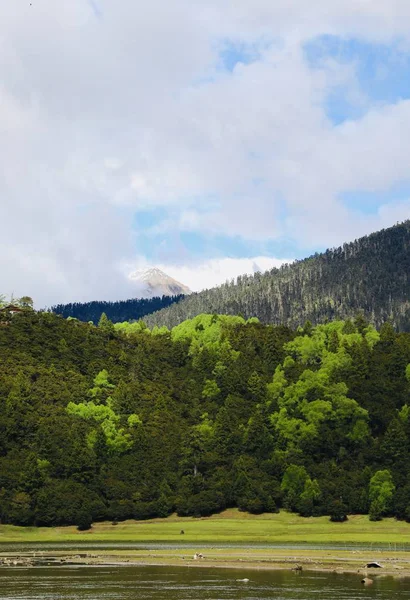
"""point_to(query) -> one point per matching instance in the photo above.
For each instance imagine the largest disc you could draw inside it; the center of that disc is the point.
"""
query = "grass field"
(230, 526)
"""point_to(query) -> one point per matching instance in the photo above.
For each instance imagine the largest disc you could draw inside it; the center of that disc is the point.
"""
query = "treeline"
(116, 422)
(122, 310)
(370, 274)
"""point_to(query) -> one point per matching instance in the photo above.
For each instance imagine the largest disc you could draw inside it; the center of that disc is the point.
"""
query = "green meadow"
(231, 526)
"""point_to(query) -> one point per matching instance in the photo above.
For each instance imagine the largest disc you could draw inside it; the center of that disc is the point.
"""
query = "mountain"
(370, 275)
(154, 282)
(156, 290)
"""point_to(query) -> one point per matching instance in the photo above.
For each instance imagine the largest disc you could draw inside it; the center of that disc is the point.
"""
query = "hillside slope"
(121, 310)
(97, 423)
(369, 275)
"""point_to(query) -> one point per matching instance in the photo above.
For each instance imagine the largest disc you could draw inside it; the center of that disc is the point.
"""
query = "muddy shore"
(391, 563)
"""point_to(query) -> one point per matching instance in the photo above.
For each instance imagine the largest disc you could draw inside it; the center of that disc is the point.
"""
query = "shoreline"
(229, 540)
(394, 564)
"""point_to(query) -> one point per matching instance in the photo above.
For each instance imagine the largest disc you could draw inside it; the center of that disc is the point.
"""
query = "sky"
(208, 138)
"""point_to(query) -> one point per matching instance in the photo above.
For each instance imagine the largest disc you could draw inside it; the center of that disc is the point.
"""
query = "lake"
(189, 583)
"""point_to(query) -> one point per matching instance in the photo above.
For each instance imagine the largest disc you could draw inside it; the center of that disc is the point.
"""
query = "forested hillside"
(120, 422)
(122, 310)
(370, 275)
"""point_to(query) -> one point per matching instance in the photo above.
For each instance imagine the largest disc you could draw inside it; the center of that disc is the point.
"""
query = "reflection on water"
(189, 583)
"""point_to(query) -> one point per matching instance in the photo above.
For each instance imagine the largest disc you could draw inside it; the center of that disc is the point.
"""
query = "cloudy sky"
(207, 137)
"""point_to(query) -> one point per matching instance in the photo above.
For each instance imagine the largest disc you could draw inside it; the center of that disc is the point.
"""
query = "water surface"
(189, 583)
(81, 546)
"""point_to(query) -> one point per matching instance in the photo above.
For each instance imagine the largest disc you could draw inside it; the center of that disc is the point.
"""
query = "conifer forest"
(121, 421)
(370, 275)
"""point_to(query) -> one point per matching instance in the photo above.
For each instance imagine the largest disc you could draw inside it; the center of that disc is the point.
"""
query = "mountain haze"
(370, 274)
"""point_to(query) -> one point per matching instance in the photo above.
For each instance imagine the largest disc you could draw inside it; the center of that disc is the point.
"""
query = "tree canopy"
(121, 421)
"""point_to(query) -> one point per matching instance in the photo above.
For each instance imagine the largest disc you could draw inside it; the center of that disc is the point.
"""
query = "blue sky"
(382, 71)
(381, 77)
(208, 141)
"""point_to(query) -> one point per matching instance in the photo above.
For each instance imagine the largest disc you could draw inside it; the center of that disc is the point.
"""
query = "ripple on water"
(184, 583)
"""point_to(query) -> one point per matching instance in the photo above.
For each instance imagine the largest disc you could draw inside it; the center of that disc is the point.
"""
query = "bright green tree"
(105, 324)
(381, 492)
(293, 485)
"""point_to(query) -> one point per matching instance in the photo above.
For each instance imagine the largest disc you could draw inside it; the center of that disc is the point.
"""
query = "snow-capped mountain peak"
(154, 282)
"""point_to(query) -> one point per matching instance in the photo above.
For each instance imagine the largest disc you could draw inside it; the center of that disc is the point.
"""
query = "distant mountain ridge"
(118, 311)
(155, 283)
(371, 274)
(154, 290)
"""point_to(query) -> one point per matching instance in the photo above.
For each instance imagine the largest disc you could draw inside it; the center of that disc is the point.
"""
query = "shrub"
(84, 521)
(338, 512)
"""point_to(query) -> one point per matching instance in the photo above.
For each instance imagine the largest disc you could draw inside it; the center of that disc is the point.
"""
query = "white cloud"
(216, 271)
(111, 107)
